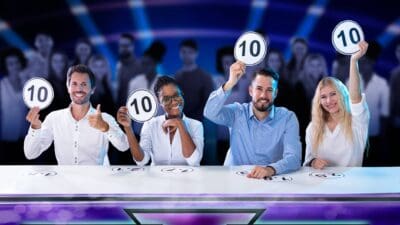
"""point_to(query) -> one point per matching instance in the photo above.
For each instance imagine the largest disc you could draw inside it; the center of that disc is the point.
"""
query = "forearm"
(134, 147)
(228, 86)
(354, 82)
(188, 145)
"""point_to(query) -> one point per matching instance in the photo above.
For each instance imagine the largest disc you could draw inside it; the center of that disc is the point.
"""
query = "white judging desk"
(124, 193)
(210, 180)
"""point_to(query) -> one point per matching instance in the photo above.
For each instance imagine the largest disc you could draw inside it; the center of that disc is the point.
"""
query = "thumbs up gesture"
(96, 121)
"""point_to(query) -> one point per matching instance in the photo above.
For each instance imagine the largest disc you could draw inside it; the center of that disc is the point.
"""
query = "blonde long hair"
(319, 116)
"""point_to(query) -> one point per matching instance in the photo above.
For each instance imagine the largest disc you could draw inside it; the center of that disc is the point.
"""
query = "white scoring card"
(37, 92)
(346, 36)
(142, 105)
(250, 48)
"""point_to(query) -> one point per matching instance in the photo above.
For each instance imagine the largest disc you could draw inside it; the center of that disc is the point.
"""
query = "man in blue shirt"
(261, 134)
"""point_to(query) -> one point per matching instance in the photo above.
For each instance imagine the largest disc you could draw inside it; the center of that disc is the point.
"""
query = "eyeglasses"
(166, 100)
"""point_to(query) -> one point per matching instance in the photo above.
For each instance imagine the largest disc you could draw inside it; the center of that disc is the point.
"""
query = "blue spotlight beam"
(256, 13)
(145, 35)
(12, 38)
(307, 25)
(140, 20)
(82, 15)
(390, 33)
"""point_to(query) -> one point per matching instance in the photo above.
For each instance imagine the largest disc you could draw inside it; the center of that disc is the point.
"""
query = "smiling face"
(263, 90)
(171, 100)
(329, 99)
(79, 88)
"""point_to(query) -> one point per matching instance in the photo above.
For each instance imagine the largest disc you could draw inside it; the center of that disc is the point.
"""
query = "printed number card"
(345, 37)
(250, 48)
(142, 105)
(37, 92)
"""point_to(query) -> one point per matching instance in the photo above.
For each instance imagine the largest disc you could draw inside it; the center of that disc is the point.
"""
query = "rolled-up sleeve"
(360, 109)
(115, 135)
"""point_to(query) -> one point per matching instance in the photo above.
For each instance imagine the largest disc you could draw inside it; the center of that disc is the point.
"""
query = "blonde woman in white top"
(338, 132)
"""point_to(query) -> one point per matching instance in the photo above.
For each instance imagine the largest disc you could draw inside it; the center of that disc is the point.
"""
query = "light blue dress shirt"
(275, 141)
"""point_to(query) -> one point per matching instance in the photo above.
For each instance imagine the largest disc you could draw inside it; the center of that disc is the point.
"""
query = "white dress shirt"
(335, 147)
(155, 143)
(75, 142)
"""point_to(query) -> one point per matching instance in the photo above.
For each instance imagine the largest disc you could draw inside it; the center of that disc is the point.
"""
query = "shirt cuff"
(144, 161)
(277, 168)
(220, 91)
(311, 161)
(193, 160)
(112, 131)
(358, 108)
(273, 170)
(33, 132)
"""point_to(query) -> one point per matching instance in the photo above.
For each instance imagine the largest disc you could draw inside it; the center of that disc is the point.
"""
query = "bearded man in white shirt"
(170, 139)
(81, 134)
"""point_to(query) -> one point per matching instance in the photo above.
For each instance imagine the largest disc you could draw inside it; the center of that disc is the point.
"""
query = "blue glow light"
(82, 15)
(307, 25)
(12, 38)
(390, 33)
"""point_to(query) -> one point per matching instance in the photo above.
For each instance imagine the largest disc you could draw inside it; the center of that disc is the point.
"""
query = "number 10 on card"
(142, 105)
(37, 92)
(346, 36)
(250, 48)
